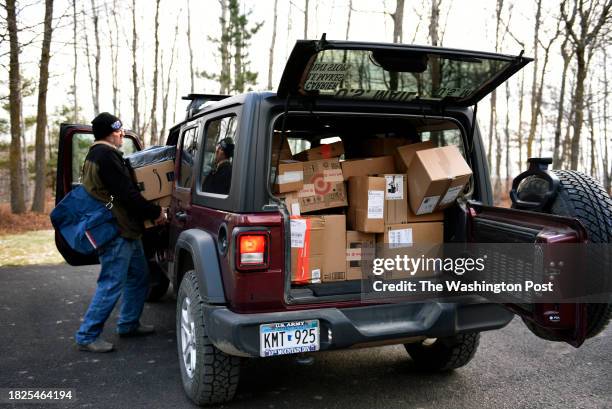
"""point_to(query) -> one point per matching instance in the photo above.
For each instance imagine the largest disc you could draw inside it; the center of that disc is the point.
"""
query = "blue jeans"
(124, 269)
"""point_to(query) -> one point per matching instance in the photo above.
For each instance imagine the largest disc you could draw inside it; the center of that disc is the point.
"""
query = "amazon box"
(396, 198)
(366, 212)
(318, 244)
(360, 250)
(326, 151)
(405, 154)
(290, 176)
(368, 167)
(411, 239)
(323, 187)
(437, 176)
(155, 180)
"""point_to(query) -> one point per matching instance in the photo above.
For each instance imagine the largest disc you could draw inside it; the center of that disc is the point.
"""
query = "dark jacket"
(219, 180)
(104, 174)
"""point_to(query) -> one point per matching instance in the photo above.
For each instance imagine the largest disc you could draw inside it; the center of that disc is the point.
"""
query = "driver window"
(219, 155)
(189, 147)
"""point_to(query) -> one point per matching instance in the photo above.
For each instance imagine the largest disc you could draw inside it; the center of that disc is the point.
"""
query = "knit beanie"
(104, 124)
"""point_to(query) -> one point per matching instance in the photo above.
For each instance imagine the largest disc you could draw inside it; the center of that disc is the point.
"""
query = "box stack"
(153, 172)
(392, 200)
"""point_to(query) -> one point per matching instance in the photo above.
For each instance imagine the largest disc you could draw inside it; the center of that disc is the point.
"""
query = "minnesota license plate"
(291, 337)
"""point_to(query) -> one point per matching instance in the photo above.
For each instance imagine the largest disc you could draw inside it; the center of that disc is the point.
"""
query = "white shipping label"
(333, 175)
(428, 205)
(295, 209)
(291, 177)
(353, 254)
(298, 233)
(376, 204)
(451, 195)
(400, 238)
(307, 190)
(315, 276)
(395, 187)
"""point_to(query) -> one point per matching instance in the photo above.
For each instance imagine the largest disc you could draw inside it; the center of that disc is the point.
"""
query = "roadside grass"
(33, 247)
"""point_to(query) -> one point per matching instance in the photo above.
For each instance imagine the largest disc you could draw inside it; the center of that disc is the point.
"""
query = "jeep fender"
(202, 248)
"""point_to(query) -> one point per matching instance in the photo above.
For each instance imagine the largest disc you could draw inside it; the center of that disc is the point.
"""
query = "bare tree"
(272, 45)
(607, 169)
(348, 19)
(113, 36)
(76, 62)
(135, 84)
(165, 89)
(154, 135)
(38, 203)
(534, 80)
(96, 78)
(590, 18)
(434, 22)
(225, 78)
(306, 3)
(191, 63)
(566, 55)
(16, 113)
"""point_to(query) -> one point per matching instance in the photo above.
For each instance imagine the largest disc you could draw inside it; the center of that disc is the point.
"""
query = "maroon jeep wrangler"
(228, 255)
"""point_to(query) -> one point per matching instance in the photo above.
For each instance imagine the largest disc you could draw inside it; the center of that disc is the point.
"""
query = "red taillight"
(252, 251)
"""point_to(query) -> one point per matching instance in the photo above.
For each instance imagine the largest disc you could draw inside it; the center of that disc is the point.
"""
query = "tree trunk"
(166, 88)
(38, 204)
(75, 108)
(306, 19)
(607, 170)
(154, 135)
(191, 64)
(135, 87)
(113, 36)
(534, 82)
(560, 108)
(507, 139)
(519, 133)
(94, 16)
(348, 20)
(272, 45)
(581, 73)
(398, 22)
(16, 114)
(225, 79)
(237, 39)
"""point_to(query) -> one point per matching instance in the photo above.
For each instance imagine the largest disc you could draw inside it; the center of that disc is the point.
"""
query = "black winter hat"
(105, 124)
(227, 146)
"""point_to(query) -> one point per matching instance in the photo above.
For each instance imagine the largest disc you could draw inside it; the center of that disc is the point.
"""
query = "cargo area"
(354, 187)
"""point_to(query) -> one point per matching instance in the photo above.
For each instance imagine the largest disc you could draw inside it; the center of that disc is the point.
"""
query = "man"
(123, 264)
(219, 180)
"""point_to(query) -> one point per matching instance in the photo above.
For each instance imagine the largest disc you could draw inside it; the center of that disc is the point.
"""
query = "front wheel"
(209, 375)
(444, 354)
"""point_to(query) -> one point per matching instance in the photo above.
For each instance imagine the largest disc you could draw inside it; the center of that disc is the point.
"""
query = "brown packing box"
(437, 176)
(381, 146)
(400, 239)
(290, 176)
(323, 187)
(317, 247)
(396, 198)
(163, 202)
(155, 180)
(405, 154)
(366, 212)
(326, 151)
(360, 248)
(367, 167)
(428, 217)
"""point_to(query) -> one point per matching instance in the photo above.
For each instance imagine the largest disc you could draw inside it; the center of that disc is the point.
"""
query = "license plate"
(292, 337)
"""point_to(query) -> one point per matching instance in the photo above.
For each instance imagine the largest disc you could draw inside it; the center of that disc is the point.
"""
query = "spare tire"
(584, 198)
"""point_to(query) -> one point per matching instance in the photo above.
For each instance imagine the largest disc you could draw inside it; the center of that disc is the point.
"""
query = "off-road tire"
(584, 198)
(216, 374)
(444, 354)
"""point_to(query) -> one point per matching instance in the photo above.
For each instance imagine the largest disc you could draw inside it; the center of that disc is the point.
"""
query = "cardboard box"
(396, 198)
(428, 217)
(404, 154)
(290, 176)
(381, 146)
(360, 250)
(323, 187)
(155, 180)
(412, 239)
(437, 176)
(326, 151)
(368, 167)
(163, 202)
(317, 247)
(366, 212)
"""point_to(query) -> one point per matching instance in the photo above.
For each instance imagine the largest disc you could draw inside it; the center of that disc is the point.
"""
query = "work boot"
(140, 331)
(99, 345)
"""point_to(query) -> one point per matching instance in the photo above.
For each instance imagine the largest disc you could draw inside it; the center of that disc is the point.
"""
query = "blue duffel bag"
(86, 223)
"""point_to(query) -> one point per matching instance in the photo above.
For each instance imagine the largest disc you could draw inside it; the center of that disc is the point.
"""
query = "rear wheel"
(584, 198)
(444, 354)
(209, 375)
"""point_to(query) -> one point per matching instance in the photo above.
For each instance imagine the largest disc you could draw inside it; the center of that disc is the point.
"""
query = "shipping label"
(394, 187)
(332, 175)
(400, 238)
(428, 205)
(307, 191)
(451, 195)
(376, 204)
(291, 177)
(298, 233)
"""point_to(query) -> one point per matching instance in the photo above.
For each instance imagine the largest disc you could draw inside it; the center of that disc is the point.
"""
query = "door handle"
(181, 216)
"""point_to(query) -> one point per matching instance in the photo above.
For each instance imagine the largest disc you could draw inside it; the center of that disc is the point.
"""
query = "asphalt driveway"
(40, 309)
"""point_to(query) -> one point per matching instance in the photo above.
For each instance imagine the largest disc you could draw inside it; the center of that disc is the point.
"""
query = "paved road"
(40, 308)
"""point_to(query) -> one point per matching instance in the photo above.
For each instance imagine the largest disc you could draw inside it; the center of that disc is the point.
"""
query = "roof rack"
(198, 101)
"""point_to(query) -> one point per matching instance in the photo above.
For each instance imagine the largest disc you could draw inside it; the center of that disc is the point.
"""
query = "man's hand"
(163, 217)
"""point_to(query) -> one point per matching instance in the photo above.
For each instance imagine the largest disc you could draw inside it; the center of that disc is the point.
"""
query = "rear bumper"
(238, 334)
